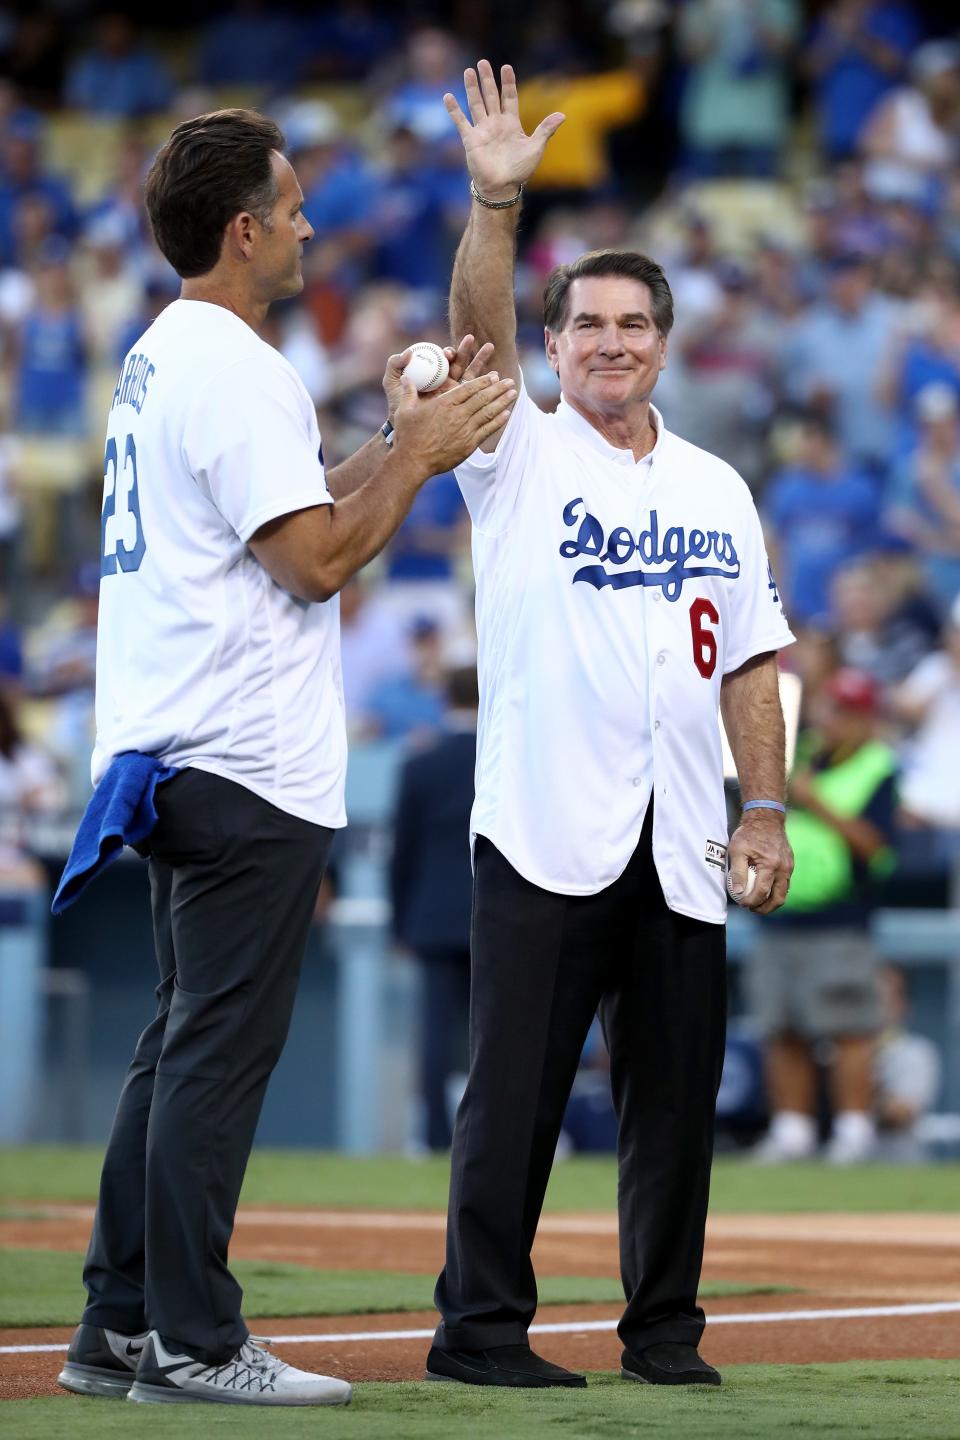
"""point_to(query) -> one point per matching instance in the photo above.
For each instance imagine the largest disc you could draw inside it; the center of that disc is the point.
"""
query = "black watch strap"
(386, 430)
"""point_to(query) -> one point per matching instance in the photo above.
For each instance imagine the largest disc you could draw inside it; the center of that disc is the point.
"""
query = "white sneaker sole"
(91, 1380)
(211, 1395)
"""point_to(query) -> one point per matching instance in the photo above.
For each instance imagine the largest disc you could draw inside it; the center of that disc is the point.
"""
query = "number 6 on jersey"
(121, 529)
(704, 640)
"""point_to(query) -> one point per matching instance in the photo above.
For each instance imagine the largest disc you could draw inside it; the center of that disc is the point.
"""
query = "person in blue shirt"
(52, 353)
(411, 705)
(413, 245)
(252, 45)
(858, 51)
(22, 177)
(924, 500)
(118, 76)
(820, 512)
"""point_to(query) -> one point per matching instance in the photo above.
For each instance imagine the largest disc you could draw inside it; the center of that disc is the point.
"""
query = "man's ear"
(663, 352)
(239, 235)
(550, 345)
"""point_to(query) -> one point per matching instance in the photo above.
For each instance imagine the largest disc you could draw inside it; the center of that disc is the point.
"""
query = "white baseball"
(751, 881)
(428, 366)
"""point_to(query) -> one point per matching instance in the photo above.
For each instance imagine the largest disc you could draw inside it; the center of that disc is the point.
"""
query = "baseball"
(751, 881)
(427, 366)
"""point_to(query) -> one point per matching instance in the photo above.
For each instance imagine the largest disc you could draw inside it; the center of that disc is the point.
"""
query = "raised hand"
(500, 154)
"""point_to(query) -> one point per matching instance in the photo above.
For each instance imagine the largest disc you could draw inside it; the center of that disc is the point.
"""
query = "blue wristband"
(764, 805)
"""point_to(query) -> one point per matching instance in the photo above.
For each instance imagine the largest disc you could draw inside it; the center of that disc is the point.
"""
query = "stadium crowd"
(793, 166)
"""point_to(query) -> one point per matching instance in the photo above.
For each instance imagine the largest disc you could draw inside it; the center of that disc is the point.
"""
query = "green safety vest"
(824, 873)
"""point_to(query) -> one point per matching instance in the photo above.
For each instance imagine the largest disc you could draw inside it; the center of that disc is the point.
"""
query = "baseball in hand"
(427, 366)
(751, 881)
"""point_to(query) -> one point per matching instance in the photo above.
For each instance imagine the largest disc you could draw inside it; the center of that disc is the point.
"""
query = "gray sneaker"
(251, 1377)
(101, 1362)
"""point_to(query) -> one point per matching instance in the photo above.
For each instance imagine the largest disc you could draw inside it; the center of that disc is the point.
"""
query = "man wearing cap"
(813, 974)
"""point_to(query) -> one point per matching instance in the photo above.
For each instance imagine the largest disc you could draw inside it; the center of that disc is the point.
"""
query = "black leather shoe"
(668, 1364)
(514, 1365)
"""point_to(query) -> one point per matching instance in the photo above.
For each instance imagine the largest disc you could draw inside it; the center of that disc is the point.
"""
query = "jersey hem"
(299, 812)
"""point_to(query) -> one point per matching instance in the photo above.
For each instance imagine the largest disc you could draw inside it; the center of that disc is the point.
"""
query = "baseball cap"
(854, 690)
(936, 401)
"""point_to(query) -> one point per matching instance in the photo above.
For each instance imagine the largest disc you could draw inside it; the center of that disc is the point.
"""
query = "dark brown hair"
(210, 169)
(608, 262)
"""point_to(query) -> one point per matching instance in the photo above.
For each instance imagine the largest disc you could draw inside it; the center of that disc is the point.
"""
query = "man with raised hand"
(623, 597)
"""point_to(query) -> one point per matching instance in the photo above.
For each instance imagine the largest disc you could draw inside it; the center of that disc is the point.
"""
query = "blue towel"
(121, 811)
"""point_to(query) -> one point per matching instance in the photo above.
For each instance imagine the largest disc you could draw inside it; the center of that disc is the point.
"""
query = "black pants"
(446, 1004)
(233, 883)
(542, 965)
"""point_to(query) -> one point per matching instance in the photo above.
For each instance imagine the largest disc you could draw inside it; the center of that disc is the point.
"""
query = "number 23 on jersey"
(122, 542)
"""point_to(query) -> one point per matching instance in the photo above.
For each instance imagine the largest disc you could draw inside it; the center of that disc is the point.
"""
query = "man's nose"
(611, 341)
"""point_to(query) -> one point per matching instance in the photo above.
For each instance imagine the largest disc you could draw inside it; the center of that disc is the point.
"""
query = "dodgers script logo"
(675, 548)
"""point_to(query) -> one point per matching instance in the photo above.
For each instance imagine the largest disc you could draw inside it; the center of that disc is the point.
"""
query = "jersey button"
(656, 724)
(637, 780)
(661, 659)
(656, 594)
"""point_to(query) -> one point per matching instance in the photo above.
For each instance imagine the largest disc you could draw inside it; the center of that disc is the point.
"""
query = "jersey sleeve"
(253, 446)
(490, 481)
(757, 620)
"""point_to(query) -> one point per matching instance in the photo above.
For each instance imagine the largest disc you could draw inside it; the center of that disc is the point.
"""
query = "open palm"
(499, 152)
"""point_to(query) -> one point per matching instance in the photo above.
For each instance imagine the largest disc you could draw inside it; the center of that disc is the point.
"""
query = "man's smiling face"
(609, 352)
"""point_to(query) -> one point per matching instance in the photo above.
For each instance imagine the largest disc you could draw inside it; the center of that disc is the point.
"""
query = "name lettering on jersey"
(677, 548)
(132, 382)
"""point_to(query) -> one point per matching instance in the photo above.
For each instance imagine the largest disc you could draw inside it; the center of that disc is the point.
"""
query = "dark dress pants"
(542, 965)
(233, 883)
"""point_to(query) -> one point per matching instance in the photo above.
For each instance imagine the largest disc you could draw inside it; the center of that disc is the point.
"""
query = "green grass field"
(892, 1401)
(305, 1178)
(917, 1400)
(42, 1287)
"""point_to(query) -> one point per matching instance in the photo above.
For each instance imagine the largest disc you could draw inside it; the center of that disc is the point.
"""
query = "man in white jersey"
(224, 545)
(623, 596)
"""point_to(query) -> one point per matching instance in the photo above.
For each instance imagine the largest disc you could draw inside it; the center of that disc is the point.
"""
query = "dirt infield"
(836, 1262)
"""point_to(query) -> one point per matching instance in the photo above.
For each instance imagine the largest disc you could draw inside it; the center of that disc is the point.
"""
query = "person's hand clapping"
(466, 363)
(500, 154)
(438, 432)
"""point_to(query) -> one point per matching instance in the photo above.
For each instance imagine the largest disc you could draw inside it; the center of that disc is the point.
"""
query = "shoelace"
(254, 1354)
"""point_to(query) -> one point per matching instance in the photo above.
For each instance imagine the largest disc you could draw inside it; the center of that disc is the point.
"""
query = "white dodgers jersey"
(202, 659)
(612, 598)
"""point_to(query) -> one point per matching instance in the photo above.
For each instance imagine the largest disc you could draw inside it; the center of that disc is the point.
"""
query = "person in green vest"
(813, 975)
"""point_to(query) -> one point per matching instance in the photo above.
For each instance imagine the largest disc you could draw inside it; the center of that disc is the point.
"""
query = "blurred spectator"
(11, 518)
(812, 974)
(24, 178)
(119, 75)
(833, 359)
(929, 702)
(52, 352)
(735, 111)
(410, 705)
(925, 497)
(28, 783)
(37, 58)
(413, 235)
(252, 44)
(859, 50)
(111, 292)
(731, 360)
(431, 885)
(876, 632)
(373, 648)
(913, 137)
(121, 205)
(820, 512)
(575, 168)
(907, 1070)
(432, 66)
(11, 648)
(346, 41)
(422, 557)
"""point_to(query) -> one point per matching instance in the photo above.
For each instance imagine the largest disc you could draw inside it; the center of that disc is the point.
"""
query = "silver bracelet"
(495, 204)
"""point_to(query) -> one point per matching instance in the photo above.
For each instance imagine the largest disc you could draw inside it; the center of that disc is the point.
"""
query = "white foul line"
(575, 1327)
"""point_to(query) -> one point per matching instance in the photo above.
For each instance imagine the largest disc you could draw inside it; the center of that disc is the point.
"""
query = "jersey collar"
(576, 422)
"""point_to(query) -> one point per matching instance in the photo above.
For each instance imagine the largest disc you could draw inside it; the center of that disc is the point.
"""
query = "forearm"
(482, 288)
(363, 522)
(347, 477)
(753, 719)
